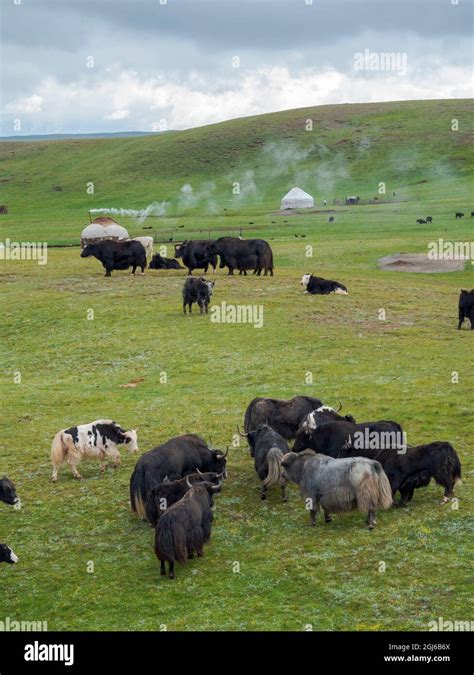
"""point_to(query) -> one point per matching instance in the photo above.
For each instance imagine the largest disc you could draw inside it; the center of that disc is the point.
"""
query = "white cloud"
(25, 106)
(117, 115)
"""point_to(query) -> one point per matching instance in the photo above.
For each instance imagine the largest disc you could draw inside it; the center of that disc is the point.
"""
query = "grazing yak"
(185, 527)
(197, 290)
(7, 555)
(319, 286)
(7, 492)
(175, 459)
(160, 263)
(466, 308)
(117, 255)
(196, 255)
(147, 243)
(458, 214)
(267, 447)
(285, 416)
(338, 485)
(244, 254)
(429, 219)
(98, 439)
(421, 221)
(415, 467)
(329, 438)
(164, 495)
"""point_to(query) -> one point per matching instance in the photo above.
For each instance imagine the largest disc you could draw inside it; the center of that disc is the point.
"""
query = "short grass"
(265, 568)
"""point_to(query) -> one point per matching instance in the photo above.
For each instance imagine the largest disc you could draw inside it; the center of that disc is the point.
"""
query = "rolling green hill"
(351, 148)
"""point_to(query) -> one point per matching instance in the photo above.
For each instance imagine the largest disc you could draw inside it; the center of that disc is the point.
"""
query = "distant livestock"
(164, 495)
(196, 255)
(429, 219)
(267, 447)
(319, 286)
(283, 415)
(415, 467)
(197, 290)
(331, 219)
(421, 221)
(117, 255)
(7, 555)
(466, 307)
(339, 485)
(458, 214)
(244, 254)
(472, 214)
(185, 527)
(147, 243)
(160, 263)
(176, 458)
(99, 439)
(7, 492)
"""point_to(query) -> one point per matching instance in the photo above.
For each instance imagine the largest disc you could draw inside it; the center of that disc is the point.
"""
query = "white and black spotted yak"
(100, 439)
(9, 496)
(320, 286)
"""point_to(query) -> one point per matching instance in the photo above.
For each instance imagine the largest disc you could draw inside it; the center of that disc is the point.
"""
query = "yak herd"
(339, 465)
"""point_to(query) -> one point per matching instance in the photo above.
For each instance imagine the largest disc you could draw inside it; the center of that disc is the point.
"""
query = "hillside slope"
(351, 148)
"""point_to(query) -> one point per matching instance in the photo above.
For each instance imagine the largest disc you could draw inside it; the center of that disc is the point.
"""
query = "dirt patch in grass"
(418, 262)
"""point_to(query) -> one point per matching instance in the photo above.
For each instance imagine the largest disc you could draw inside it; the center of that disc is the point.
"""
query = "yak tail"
(58, 449)
(137, 495)
(170, 541)
(374, 491)
(453, 459)
(274, 475)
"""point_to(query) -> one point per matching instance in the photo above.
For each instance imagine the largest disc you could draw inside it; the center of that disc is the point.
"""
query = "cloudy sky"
(71, 66)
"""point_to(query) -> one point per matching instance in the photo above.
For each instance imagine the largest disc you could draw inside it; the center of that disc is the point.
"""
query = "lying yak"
(7, 555)
(338, 485)
(267, 447)
(100, 439)
(466, 308)
(175, 459)
(117, 255)
(160, 263)
(319, 286)
(166, 494)
(244, 254)
(415, 467)
(283, 415)
(7, 492)
(197, 290)
(185, 527)
(196, 255)
(331, 437)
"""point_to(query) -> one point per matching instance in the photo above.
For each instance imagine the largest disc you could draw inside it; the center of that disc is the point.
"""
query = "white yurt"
(101, 229)
(297, 199)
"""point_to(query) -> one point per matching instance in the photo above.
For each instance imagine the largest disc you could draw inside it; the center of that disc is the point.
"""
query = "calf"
(7, 492)
(7, 555)
(319, 286)
(338, 485)
(197, 290)
(267, 448)
(466, 308)
(98, 439)
(160, 263)
(185, 527)
(415, 467)
(458, 214)
(117, 255)
(164, 495)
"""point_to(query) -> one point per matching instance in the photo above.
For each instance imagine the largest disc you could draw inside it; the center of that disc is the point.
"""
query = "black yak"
(117, 255)
(7, 492)
(267, 447)
(185, 527)
(338, 484)
(466, 308)
(160, 263)
(415, 467)
(196, 255)
(175, 459)
(7, 555)
(244, 254)
(331, 437)
(285, 416)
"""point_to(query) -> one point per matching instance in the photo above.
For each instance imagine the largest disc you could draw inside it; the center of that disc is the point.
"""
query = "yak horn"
(340, 407)
(240, 433)
(188, 483)
(199, 472)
